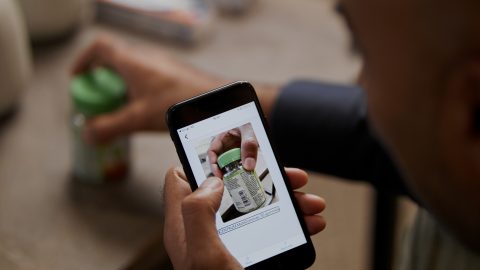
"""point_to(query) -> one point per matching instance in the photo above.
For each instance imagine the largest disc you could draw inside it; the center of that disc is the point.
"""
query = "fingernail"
(249, 164)
(212, 183)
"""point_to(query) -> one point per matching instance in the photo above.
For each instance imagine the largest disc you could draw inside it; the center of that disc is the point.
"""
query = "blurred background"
(49, 221)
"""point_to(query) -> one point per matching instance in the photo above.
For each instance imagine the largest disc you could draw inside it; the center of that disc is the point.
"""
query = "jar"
(244, 186)
(96, 92)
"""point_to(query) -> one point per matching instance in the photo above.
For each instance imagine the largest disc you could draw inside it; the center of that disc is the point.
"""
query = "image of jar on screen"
(243, 186)
(247, 188)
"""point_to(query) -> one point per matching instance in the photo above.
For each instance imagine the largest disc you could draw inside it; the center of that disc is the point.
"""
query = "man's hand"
(242, 137)
(190, 234)
(155, 80)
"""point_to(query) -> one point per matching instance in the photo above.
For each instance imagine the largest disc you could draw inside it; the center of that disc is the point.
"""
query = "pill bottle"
(96, 92)
(243, 186)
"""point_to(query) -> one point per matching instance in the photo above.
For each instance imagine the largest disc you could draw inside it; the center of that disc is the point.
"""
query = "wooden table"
(49, 222)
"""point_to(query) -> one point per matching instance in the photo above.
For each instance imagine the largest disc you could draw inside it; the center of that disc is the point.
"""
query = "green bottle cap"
(97, 91)
(228, 157)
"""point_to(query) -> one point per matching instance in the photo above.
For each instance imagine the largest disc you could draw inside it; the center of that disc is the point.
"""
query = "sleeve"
(323, 127)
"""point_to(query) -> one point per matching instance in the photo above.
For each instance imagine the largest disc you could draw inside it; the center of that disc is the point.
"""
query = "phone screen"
(256, 219)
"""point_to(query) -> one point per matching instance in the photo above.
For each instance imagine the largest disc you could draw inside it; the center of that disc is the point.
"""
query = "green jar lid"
(98, 91)
(228, 157)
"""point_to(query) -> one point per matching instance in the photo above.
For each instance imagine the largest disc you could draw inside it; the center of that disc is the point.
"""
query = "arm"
(331, 134)
(332, 118)
(155, 80)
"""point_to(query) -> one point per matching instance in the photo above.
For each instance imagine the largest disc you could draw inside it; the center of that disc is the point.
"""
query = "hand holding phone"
(258, 219)
(186, 249)
(190, 224)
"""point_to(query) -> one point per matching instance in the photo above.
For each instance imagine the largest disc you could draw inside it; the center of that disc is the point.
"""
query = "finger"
(315, 224)
(249, 149)
(298, 178)
(175, 190)
(225, 141)
(198, 211)
(101, 50)
(212, 157)
(213, 151)
(220, 144)
(309, 204)
(216, 171)
(122, 122)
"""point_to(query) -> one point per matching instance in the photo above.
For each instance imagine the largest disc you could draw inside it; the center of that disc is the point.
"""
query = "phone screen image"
(256, 219)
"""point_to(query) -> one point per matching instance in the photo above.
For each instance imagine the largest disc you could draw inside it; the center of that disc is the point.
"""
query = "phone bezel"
(213, 103)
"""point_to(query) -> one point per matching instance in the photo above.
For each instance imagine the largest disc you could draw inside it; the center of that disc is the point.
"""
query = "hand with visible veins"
(155, 80)
(190, 233)
(242, 137)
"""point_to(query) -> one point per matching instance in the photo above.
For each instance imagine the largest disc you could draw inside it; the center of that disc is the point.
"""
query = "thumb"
(249, 149)
(198, 211)
(122, 122)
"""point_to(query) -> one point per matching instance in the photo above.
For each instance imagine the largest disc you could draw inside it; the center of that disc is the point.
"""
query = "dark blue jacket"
(324, 128)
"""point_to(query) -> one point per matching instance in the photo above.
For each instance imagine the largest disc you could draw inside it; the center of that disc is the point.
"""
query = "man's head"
(422, 75)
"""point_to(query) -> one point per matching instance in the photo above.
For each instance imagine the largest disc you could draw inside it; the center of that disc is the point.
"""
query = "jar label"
(245, 190)
(100, 163)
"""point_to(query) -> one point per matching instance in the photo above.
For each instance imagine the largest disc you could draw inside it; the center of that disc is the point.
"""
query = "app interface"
(256, 219)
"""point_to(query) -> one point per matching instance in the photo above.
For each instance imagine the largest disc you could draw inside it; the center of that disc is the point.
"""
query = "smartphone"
(259, 220)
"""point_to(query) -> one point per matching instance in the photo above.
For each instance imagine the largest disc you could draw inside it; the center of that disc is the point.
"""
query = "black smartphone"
(259, 220)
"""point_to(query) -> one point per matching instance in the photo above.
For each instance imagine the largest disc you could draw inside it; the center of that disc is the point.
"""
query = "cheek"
(381, 110)
(389, 99)
(402, 118)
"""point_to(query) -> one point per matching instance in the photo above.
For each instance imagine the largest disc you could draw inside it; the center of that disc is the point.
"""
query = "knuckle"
(192, 204)
(250, 143)
(172, 172)
(177, 171)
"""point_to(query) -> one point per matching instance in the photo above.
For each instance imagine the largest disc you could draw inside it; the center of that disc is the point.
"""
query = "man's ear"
(459, 119)
(477, 120)
(475, 89)
(459, 145)
(460, 102)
